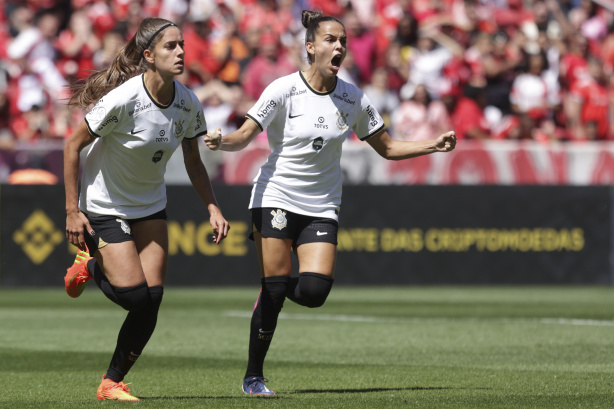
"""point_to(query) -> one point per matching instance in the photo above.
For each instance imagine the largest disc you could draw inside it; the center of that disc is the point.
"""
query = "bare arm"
(234, 141)
(76, 222)
(392, 149)
(200, 180)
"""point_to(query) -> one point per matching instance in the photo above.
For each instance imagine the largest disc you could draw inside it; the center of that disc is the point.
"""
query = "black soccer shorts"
(113, 229)
(283, 224)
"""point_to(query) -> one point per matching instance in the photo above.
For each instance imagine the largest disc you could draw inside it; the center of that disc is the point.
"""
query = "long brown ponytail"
(127, 63)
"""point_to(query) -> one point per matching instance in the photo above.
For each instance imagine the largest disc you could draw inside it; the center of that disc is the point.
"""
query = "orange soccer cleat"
(111, 390)
(77, 276)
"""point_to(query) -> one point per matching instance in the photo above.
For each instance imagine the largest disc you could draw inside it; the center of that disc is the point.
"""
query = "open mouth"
(336, 61)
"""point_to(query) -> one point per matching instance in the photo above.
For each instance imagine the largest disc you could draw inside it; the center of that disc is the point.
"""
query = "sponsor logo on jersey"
(267, 108)
(199, 121)
(294, 92)
(138, 107)
(318, 143)
(279, 220)
(107, 122)
(181, 106)
(342, 122)
(344, 98)
(134, 132)
(371, 113)
(157, 157)
(179, 128)
(97, 113)
(321, 124)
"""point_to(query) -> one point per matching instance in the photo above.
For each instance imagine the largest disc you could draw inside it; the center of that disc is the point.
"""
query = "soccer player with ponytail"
(118, 221)
(296, 196)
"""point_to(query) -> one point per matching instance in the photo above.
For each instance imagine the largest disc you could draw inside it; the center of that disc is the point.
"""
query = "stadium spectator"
(229, 48)
(534, 95)
(500, 65)
(123, 181)
(77, 45)
(201, 62)
(468, 119)
(383, 99)
(297, 194)
(573, 64)
(33, 60)
(591, 104)
(112, 42)
(419, 117)
(362, 45)
(270, 63)
(434, 50)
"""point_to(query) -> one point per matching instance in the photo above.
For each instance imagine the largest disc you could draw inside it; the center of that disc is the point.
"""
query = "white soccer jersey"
(305, 130)
(124, 170)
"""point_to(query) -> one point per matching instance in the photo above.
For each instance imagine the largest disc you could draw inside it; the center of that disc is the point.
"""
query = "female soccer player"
(296, 197)
(141, 116)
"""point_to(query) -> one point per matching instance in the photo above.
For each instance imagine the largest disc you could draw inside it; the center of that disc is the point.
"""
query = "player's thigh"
(273, 255)
(317, 257)
(121, 264)
(151, 241)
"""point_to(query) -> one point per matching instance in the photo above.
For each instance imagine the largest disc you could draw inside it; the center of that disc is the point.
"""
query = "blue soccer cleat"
(254, 385)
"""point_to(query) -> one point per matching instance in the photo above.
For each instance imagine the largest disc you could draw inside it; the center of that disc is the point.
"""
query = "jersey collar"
(317, 92)
(156, 103)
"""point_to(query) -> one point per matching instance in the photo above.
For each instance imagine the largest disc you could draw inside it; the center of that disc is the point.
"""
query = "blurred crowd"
(489, 69)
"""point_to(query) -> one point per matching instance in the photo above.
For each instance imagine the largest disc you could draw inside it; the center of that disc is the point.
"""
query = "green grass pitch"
(405, 347)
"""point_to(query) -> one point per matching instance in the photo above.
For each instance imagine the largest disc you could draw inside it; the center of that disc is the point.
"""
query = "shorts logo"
(124, 225)
(279, 220)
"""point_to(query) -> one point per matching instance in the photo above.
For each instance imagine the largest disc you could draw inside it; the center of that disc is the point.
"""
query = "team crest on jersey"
(124, 225)
(179, 128)
(342, 122)
(279, 220)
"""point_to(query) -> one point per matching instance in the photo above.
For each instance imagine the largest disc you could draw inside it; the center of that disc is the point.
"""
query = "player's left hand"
(220, 227)
(446, 142)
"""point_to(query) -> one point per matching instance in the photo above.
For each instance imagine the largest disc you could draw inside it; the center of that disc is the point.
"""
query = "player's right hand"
(213, 139)
(77, 226)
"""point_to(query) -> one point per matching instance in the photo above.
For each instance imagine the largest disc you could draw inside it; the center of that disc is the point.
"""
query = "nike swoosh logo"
(321, 233)
(133, 132)
(294, 116)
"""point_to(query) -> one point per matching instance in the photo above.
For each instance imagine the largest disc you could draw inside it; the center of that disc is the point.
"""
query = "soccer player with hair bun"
(118, 222)
(296, 198)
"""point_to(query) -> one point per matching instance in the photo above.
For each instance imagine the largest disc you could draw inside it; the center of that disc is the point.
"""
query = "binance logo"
(38, 236)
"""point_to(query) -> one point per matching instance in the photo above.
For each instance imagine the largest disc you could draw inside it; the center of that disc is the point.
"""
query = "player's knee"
(313, 289)
(156, 294)
(274, 291)
(133, 298)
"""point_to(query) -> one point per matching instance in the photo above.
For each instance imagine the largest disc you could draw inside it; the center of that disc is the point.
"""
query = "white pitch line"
(576, 321)
(317, 317)
(364, 318)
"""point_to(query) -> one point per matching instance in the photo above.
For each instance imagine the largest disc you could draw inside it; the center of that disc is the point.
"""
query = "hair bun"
(307, 17)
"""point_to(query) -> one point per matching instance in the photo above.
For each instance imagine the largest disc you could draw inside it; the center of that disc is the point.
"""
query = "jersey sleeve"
(198, 126)
(369, 121)
(102, 119)
(266, 108)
